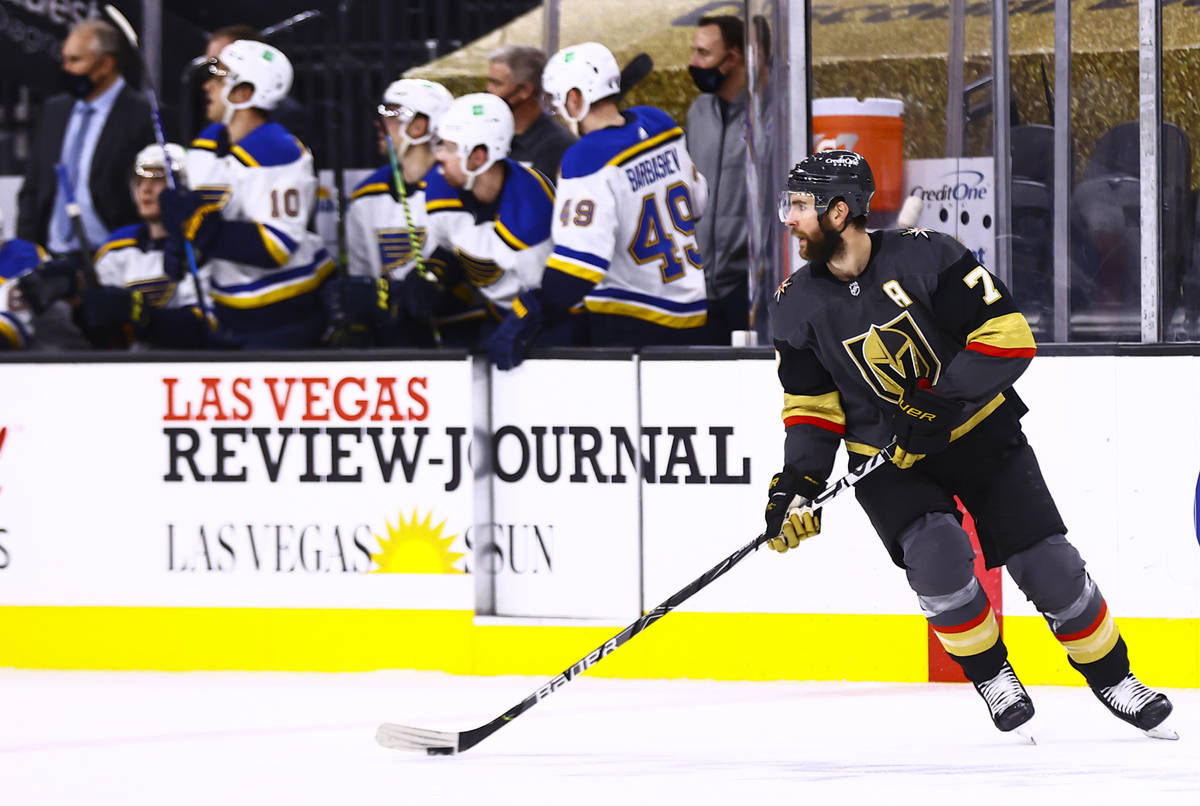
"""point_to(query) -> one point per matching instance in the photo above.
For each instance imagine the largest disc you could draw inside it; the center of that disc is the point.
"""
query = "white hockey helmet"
(149, 163)
(409, 97)
(478, 119)
(261, 65)
(588, 67)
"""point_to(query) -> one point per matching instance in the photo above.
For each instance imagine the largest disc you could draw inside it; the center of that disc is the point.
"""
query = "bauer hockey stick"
(445, 743)
(118, 19)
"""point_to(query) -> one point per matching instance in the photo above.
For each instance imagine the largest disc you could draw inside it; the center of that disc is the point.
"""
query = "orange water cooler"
(873, 127)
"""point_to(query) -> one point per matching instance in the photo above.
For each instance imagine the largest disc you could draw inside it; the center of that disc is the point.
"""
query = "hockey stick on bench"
(445, 743)
(131, 40)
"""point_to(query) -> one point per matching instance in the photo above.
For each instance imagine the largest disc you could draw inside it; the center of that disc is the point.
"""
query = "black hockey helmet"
(830, 175)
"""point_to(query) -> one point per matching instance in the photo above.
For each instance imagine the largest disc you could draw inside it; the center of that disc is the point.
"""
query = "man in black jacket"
(96, 129)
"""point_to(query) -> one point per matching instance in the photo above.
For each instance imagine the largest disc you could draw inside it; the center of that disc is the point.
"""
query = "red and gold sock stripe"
(970, 638)
(1094, 642)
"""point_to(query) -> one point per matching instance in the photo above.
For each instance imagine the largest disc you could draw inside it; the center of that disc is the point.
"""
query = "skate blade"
(1025, 732)
(1162, 732)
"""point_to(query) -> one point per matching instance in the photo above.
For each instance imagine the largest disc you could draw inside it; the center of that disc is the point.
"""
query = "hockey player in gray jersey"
(145, 293)
(253, 192)
(901, 336)
(626, 206)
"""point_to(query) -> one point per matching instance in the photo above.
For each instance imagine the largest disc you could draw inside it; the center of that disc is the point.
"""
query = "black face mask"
(77, 86)
(707, 79)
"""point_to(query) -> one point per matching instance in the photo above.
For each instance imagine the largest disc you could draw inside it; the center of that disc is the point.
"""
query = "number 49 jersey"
(625, 219)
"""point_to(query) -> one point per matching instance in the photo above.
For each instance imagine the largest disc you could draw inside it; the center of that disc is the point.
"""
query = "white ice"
(269, 738)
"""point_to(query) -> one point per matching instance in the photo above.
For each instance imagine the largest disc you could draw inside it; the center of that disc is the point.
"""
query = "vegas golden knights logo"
(891, 356)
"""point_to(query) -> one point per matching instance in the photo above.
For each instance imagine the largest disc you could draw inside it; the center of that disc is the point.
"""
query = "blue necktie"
(74, 153)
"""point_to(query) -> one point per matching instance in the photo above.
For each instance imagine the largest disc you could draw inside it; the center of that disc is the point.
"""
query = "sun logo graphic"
(413, 547)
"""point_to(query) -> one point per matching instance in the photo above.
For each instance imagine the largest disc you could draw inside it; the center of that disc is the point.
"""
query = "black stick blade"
(638, 68)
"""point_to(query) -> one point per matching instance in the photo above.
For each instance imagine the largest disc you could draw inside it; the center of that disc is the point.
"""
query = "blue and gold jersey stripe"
(243, 156)
(118, 243)
(370, 190)
(507, 236)
(633, 151)
(443, 204)
(298, 283)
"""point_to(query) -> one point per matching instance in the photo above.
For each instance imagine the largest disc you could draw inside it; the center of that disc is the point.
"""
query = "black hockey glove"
(110, 316)
(506, 347)
(57, 279)
(922, 424)
(421, 295)
(354, 308)
(789, 515)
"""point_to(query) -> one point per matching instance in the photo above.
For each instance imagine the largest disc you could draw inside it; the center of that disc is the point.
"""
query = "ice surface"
(234, 738)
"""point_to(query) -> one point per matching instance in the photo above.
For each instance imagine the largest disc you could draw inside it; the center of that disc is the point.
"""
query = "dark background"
(343, 59)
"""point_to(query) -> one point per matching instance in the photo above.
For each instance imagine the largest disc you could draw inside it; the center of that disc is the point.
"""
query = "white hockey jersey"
(17, 257)
(265, 179)
(129, 259)
(625, 219)
(378, 242)
(503, 246)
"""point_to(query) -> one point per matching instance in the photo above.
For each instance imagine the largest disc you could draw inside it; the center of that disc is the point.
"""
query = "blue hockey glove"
(175, 263)
(186, 214)
(922, 424)
(506, 347)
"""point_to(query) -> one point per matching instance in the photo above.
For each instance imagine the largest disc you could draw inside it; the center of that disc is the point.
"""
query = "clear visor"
(440, 145)
(402, 113)
(790, 200)
(150, 172)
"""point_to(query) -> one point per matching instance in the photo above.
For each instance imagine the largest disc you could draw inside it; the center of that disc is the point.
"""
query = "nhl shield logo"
(854, 289)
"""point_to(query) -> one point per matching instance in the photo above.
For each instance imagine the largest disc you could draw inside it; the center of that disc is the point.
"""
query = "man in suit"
(96, 129)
